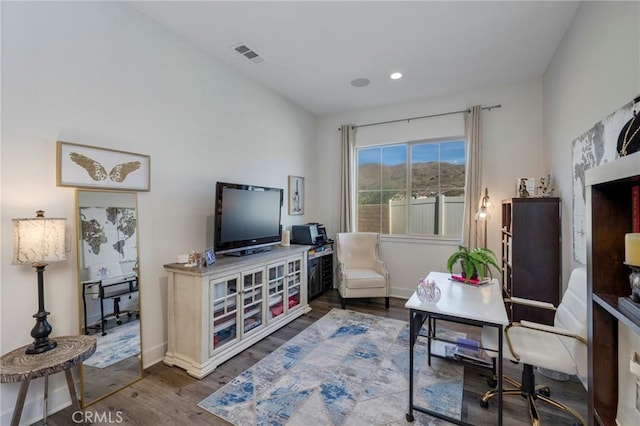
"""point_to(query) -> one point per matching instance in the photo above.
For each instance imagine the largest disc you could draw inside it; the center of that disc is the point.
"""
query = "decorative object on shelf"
(632, 260)
(296, 195)
(195, 259)
(483, 214)
(473, 262)
(544, 188)
(39, 241)
(428, 291)
(286, 238)
(209, 257)
(526, 187)
(83, 166)
(629, 138)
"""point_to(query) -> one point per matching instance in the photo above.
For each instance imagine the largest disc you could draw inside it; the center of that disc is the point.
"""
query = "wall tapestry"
(108, 235)
(595, 147)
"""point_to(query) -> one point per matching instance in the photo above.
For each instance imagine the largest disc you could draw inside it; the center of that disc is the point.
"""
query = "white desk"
(460, 303)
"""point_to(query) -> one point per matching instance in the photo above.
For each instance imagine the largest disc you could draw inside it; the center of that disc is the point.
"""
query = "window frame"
(408, 237)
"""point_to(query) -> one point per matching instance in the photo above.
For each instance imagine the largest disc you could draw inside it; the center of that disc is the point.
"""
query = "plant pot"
(474, 276)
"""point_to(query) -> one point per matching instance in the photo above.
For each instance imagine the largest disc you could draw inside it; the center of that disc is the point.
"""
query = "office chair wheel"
(546, 391)
(129, 314)
(492, 382)
(484, 404)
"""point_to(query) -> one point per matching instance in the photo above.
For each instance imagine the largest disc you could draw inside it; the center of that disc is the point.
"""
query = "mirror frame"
(83, 400)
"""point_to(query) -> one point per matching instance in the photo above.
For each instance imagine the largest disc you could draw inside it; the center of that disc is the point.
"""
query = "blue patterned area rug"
(121, 342)
(347, 368)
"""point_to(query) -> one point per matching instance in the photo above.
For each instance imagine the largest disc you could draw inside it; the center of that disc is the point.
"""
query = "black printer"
(309, 234)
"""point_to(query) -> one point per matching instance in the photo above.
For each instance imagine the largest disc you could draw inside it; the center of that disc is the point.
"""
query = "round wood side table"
(17, 366)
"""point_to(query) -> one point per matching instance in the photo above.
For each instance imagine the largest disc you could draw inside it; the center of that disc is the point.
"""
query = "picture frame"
(84, 166)
(296, 195)
(526, 187)
(209, 257)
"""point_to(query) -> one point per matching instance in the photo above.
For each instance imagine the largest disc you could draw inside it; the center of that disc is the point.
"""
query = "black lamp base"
(41, 347)
(41, 331)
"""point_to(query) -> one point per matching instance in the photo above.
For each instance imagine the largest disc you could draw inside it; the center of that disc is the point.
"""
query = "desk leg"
(45, 408)
(412, 340)
(500, 354)
(22, 394)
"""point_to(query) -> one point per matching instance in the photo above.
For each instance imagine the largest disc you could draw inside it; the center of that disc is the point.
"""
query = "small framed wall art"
(82, 166)
(296, 195)
(526, 187)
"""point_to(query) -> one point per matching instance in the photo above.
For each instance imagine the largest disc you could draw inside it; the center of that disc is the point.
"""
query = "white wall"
(594, 72)
(102, 74)
(512, 148)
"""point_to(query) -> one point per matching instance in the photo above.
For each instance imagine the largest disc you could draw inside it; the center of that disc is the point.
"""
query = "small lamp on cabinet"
(39, 241)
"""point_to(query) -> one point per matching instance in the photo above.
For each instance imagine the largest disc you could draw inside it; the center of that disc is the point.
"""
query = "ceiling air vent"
(245, 51)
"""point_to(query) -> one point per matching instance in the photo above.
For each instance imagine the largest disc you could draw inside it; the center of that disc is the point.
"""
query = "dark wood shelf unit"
(531, 247)
(608, 219)
(320, 269)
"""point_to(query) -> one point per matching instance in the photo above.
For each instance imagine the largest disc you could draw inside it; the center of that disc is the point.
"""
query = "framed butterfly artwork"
(83, 166)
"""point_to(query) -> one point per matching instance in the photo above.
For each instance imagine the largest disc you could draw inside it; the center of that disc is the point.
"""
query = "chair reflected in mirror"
(109, 285)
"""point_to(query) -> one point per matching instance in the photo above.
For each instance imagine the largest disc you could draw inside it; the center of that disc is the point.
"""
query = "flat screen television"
(247, 218)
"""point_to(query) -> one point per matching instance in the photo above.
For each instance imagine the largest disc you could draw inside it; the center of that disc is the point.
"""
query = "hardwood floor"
(168, 396)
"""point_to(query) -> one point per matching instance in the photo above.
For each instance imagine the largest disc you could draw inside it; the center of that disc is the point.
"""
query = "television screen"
(247, 218)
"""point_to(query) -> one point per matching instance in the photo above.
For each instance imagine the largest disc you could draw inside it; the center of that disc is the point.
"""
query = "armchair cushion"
(364, 278)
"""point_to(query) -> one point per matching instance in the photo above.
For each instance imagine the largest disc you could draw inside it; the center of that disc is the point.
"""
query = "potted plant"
(474, 262)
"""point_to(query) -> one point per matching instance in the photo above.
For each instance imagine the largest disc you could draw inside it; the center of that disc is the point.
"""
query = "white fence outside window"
(439, 215)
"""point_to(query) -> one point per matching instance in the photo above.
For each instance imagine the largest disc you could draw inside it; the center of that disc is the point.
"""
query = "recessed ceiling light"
(395, 76)
(360, 82)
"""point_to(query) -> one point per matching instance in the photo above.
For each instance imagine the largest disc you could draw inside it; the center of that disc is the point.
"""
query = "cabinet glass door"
(294, 283)
(277, 277)
(252, 303)
(224, 302)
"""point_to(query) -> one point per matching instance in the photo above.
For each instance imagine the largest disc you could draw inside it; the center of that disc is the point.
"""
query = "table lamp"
(39, 241)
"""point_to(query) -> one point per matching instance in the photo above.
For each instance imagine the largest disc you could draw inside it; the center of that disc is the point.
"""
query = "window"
(430, 174)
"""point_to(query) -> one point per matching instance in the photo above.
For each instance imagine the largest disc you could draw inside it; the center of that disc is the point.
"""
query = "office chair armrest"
(551, 329)
(530, 302)
(539, 327)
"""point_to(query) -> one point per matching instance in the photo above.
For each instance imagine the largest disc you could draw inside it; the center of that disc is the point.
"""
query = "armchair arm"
(530, 302)
(381, 267)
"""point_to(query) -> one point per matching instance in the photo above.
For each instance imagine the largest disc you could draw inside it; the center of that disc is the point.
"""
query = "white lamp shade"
(38, 240)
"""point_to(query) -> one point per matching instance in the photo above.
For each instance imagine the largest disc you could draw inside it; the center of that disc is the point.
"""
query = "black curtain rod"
(489, 108)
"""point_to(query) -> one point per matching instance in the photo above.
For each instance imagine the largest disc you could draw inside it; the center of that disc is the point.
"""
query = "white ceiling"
(313, 49)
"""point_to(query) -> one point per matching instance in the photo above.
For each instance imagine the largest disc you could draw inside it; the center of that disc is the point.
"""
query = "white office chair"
(361, 273)
(561, 347)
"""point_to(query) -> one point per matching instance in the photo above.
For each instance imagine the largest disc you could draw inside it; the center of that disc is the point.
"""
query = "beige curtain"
(346, 214)
(473, 182)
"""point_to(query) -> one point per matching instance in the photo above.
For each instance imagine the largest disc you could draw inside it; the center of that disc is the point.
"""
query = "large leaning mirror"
(109, 290)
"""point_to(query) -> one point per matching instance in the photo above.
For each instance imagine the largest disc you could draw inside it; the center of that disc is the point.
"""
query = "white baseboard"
(154, 355)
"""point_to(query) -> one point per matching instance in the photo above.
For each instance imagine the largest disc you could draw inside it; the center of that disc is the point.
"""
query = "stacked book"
(469, 350)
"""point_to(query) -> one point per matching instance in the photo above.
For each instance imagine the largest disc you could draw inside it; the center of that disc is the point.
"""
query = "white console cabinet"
(216, 312)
